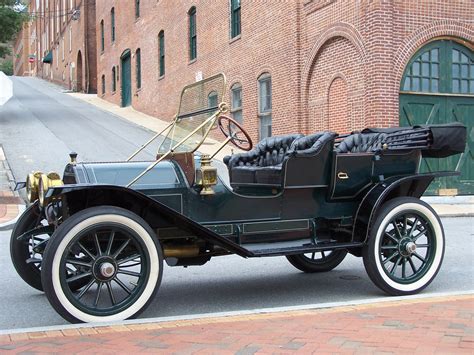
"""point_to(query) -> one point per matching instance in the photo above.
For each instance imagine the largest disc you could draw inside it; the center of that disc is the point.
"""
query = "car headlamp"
(32, 185)
(46, 181)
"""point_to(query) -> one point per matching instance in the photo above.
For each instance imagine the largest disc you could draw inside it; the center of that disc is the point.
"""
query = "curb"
(226, 317)
(8, 187)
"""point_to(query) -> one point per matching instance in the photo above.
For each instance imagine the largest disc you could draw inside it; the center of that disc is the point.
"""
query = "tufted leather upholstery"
(361, 142)
(263, 164)
(268, 152)
(311, 144)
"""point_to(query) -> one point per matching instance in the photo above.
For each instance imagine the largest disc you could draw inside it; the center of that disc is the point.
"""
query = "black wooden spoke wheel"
(26, 254)
(405, 248)
(116, 252)
(319, 261)
(237, 134)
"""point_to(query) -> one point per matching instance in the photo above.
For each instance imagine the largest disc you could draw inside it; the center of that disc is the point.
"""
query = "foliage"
(6, 67)
(11, 20)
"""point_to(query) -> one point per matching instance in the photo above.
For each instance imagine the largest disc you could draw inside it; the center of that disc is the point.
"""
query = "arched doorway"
(79, 72)
(438, 87)
(126, 86)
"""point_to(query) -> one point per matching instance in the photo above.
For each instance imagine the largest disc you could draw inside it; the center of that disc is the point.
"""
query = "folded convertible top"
(435, 141)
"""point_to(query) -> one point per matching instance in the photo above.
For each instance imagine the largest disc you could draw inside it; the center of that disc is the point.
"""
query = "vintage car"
(95, 240)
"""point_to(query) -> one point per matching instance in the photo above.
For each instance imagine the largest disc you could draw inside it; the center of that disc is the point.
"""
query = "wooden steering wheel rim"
(227, 134)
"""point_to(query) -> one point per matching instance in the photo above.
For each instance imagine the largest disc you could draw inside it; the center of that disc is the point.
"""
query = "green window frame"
(442, 66)
(192, 34)
(265, 105)
(114, 80)
(103, 84)
(236, 102)
(112, 24)
(138, 68)
(212, 99)
(137, 9)
(235, 28)
(102, 36)
(161, 54)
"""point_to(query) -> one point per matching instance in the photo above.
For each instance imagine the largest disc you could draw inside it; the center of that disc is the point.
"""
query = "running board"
(278, 249)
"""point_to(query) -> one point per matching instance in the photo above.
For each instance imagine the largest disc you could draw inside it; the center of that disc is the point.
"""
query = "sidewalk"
(440, 325)
(10, 204)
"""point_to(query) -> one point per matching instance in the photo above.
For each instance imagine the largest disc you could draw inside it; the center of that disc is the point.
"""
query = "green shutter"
(112, 21)
(192, 34)
(235, 18)
(161, 39)
(138, 59)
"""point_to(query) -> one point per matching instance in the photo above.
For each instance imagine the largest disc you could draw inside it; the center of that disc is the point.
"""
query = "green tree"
(11, 20)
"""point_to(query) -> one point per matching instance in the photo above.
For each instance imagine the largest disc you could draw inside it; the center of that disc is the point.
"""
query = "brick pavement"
(441, 325)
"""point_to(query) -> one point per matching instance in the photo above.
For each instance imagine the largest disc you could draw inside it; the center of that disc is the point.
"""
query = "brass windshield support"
(149, 142)
(223, 144)
(165, 155)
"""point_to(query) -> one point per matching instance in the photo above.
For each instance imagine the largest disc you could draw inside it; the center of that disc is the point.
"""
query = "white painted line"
(240, 313)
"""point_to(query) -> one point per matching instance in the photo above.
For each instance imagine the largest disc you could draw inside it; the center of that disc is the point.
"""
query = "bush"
(6, 67)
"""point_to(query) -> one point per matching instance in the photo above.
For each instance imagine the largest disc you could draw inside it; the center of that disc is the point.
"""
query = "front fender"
(396, 186)
(79, 197)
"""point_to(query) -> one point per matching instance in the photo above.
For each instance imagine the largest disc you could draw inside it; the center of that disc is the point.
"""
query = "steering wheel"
(235, 132)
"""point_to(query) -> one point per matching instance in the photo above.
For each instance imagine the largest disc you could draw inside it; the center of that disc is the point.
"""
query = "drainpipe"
(86, 55)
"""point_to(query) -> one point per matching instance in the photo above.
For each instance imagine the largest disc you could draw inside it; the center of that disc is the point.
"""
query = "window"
(112, 24)
(138, 62)
(192, 34)
(236, 102)
(462, 69)
(70, 38)
(423, 74)
(265, 105)
(212, 99)
(114, 83)
(102, 37)
(103, 84)
(161, 42)
(137, 9)
(234, 18)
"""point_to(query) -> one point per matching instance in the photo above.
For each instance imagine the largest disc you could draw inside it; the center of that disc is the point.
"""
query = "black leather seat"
(310, 144)
(262, 164)
(361, 143)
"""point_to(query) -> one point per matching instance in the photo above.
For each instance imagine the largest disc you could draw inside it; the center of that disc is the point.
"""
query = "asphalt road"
(231, 283)
(41, 125)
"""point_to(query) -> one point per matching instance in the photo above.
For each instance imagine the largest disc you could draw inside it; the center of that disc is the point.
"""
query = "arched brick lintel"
(340, 29)
(437, 29)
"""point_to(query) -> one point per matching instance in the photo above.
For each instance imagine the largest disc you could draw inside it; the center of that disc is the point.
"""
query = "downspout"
(86, 54)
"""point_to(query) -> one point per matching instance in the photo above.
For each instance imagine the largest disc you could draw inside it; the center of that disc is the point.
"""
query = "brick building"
(62, 40)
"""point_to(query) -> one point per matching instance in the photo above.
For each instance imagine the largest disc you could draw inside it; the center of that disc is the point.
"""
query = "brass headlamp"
(47, 181)
(32, 185)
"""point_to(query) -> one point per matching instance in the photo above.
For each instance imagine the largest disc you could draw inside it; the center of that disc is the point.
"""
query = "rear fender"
(78, 197)
(413, 185)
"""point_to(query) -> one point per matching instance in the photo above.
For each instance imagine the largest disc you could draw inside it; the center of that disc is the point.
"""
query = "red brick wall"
(63, 71)
(369, 43)
(269, 43)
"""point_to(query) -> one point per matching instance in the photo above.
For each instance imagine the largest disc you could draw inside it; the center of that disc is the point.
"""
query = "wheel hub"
(406, 247)
(105, 269)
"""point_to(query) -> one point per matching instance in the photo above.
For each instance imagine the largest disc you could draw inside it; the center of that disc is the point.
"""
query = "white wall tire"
(394, 258)
(71, 306)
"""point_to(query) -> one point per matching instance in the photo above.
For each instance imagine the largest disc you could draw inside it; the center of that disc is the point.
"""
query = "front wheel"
(320, 261)
(405, 247)
(118, 255)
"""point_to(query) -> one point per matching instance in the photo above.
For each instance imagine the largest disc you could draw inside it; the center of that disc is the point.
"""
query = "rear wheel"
(319, 261)
(405, 247)
(117, 253)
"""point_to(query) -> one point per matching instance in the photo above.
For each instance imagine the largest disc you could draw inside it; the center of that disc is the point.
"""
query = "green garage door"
(438, 87)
